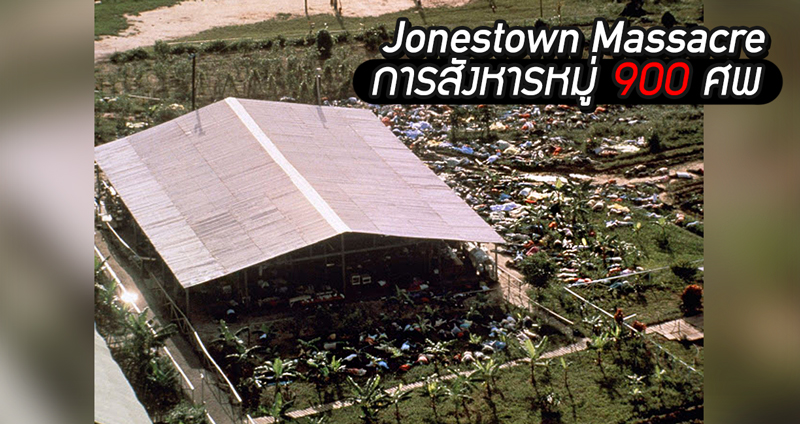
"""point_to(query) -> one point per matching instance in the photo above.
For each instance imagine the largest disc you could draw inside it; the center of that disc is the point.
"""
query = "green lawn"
(591, 398)
(109, 16)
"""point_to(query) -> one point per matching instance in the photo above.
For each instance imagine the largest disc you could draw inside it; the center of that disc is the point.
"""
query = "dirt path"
(194, 16)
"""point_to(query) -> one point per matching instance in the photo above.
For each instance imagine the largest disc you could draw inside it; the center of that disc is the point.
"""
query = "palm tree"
(434, 390)
(534, 352)
(460, 391)
(369, 397)
(395, 398)
(438, 350)
(281, 370)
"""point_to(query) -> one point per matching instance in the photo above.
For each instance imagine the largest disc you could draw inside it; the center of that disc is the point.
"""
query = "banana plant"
(459, 392)
(395, 398)
(438, 350)
(370, 398)
(434, 390)
(533, 352)
(279, 410)
(281, 370)
(598, 343)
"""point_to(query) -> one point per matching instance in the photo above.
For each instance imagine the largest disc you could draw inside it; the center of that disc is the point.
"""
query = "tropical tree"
(434, 390)
(395, 398)
(533, 352)
(486, 373)
(438, 350)
(281, 370)
(143, 339)
(538, 269)
(460, 391)
(109, 311)
(370, 398)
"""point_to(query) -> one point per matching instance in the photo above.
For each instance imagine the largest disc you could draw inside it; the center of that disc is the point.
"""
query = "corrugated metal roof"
(240, 182)
(114, 399)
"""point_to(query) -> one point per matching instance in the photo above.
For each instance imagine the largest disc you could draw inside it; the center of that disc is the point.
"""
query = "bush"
(129, 56)
(263, 45)
(692, 299)
(184, 49)
(161, 48)
(374, 37)
(215, 46)
(684, 270)
(241, 46)
(186, 413)
(538, 269)
(654, 143)
(324, 44)
(343, 37)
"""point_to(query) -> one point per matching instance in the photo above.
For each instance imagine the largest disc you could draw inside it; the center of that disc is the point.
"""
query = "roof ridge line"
(294, 175)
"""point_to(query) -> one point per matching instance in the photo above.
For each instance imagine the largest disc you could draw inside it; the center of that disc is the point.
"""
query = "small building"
(245, 201)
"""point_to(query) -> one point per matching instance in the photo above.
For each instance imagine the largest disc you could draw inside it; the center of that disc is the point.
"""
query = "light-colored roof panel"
(114, 399)
(241, 181)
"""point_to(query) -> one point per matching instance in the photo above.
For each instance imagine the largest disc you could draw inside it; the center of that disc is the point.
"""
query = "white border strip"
(299, 181)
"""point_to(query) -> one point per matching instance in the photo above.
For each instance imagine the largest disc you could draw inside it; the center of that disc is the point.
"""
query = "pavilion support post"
(188, 308)
(344, 266)
(496, 264)
(246, 291)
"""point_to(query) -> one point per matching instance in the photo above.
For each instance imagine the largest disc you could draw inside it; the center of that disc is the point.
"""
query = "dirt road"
(193, 16)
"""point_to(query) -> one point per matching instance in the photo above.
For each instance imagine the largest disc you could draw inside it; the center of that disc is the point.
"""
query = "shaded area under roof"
(239, 182)
(114, 399)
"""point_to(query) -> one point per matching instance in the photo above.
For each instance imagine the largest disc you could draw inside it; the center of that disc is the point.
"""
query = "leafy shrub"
(538, 269)
(374, 37)
(692, 299)
(186, 413)
(215, 46)
(161, 48)
(684, 270)
(343, 37)
(324, 44)
(263, 45)
(184, 49)
(662, 241)
(129, 56)
(241, 46)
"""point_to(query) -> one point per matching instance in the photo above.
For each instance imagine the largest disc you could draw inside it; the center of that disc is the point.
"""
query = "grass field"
(109, 15)
(591, 397)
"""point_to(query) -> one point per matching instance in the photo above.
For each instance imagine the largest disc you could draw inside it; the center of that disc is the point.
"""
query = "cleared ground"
(192, 17)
